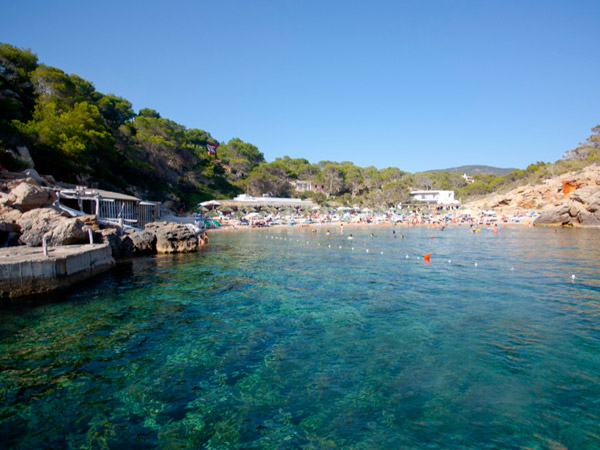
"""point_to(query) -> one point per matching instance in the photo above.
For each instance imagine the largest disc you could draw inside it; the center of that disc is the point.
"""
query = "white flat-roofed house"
(434, 197)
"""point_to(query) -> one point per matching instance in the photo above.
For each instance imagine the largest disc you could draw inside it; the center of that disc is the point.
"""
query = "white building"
(247, 200)
(468, 178)
(434, 197)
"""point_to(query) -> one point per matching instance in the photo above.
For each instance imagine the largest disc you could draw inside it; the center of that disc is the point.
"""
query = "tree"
(241, 157)
(590, 149)
(115, 110)
(53, 85)
(17, 96)
(271, 179)
(334, 178)
(77, 132)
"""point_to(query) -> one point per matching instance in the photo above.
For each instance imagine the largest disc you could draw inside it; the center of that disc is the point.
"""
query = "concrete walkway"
(27, 271)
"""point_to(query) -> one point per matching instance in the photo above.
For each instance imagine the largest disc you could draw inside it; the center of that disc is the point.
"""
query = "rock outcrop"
(571, 199)
(121, 246)
(60, 230)
(144, 242)
(27, 196)
(173, 237)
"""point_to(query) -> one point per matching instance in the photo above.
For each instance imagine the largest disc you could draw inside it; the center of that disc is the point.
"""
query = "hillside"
(571, 198)
(476, 170)
(62, 126)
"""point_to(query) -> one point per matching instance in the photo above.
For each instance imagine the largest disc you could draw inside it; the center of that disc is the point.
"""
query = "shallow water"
(270, 340)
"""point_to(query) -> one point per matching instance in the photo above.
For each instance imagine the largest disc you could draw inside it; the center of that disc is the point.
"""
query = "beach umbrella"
(238, 213)
(253, 215)
(225, 209)
(202, 208)
(212, 213)
(210, 203)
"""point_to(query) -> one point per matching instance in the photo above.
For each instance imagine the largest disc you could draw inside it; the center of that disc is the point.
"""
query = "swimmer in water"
(350, 238)
(495, 229)
(328, 233)
(394, 234)
(314, 231)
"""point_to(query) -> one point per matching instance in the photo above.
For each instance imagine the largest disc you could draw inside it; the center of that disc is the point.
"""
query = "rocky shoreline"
(571, 199)
(28, 219)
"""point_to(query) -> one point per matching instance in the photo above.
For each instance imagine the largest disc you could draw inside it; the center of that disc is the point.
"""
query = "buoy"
(367, 250)
(475, 264)
(340, 246)
(329, 245)
(407, 256)
(427, 257)
(382, 253)
(573, 277)
(512, 268)
(352, 248)
(449, 261)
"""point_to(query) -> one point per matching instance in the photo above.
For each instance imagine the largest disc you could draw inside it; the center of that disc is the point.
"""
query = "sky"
(419, 85)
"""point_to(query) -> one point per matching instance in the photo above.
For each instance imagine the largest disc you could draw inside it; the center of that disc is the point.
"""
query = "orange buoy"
(427, 256)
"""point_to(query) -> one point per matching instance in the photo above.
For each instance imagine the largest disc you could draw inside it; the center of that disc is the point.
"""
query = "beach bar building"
(434, 197)
(244, 200)
(109, 207)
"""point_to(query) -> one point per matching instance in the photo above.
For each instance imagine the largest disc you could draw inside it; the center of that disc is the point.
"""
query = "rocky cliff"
(571, 199)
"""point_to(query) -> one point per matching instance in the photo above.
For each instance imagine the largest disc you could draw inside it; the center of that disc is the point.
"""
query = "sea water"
(282, 339)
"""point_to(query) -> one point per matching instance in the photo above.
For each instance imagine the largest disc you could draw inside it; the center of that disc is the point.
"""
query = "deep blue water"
(269, 340)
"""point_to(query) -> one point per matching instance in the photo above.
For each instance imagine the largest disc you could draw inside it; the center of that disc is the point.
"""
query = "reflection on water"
(270, 340)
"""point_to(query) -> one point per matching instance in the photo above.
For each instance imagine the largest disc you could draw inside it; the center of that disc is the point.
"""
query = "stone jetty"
(27, 270)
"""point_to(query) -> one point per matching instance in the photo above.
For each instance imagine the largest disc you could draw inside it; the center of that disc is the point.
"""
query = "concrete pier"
(26, 271)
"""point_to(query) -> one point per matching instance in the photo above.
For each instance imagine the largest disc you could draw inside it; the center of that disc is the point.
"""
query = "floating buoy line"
(427, 257)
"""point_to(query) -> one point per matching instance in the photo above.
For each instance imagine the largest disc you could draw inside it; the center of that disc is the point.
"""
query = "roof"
(86, 192)
(263, 201)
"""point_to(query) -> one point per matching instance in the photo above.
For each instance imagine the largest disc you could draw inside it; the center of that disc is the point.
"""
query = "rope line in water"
(426, 257)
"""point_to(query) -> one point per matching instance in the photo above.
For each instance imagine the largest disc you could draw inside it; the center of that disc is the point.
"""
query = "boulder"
(59, 230)
(36, 223)
(555, 215)
(173, 237)
(10, 214)
(121, 246)
(91, 221)
(27, 196)
(9, 234)
(144, 242)
(587, 219)
(67, 232)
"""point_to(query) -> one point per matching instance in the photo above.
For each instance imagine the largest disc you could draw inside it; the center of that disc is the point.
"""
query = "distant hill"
(476, 170)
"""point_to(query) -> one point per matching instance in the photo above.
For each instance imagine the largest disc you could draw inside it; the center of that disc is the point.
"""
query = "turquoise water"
(269, 340)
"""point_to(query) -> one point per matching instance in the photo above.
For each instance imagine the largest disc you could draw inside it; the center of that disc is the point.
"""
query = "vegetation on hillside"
(79, 135)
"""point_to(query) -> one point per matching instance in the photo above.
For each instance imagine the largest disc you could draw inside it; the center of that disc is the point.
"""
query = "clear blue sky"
(414, 84)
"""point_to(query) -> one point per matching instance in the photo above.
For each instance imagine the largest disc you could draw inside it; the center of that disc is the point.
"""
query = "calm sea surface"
(269, 340)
